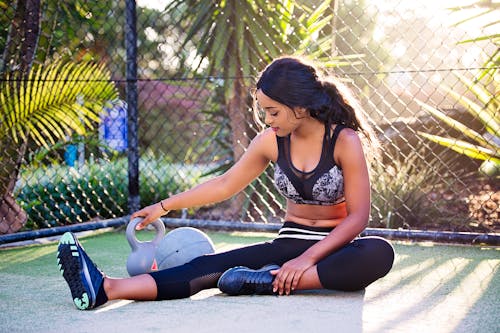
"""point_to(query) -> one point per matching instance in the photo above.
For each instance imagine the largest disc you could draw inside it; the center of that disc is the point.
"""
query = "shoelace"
(258, 282)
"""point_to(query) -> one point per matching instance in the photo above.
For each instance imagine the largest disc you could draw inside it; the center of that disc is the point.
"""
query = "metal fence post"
(131, 92)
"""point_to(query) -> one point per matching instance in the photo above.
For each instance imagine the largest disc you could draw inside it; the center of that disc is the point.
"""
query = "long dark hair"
(296, 83)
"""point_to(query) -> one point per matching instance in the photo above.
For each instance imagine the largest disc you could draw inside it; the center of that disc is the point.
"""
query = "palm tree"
(484, 87)
(238, 37)
(482, 146)
(53, 102)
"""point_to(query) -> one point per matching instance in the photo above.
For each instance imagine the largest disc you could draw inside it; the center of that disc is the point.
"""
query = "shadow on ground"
(432, 288)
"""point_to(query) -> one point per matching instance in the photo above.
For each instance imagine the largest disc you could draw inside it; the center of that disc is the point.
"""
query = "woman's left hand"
(288, 276)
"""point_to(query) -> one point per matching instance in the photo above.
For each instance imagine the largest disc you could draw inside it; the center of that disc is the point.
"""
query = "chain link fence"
(426, 74)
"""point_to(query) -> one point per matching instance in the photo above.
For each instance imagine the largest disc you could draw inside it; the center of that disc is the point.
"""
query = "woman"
(314, 140)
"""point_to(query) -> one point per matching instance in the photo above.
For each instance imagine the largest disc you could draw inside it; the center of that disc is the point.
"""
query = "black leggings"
(352, 267)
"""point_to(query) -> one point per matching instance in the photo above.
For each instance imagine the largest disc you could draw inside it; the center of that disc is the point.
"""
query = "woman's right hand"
(149, 214)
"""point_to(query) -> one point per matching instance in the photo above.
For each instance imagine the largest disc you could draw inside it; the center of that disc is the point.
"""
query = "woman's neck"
(310, 128)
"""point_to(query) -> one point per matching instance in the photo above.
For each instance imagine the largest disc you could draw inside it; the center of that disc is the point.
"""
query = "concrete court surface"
(430, 294)
(211, 311)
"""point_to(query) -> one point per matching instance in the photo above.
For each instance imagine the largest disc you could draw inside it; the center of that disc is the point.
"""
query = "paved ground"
(431, 289)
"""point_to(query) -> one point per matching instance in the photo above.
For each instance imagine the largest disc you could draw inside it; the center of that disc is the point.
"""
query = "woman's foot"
(84, 279)
(242, 280)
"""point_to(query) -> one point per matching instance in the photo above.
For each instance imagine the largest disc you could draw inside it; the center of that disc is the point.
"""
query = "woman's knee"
(380, 253)
(357, 265)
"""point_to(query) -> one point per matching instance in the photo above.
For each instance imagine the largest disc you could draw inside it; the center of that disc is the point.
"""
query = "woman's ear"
(301, 112)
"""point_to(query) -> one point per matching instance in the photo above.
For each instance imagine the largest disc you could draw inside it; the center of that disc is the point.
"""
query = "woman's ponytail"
(345, 110)
(339, 111)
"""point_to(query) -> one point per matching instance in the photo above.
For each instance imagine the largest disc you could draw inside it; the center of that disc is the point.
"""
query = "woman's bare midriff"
(316, 216)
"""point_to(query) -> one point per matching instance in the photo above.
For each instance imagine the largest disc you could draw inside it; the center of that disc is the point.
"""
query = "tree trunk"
(11, 160)
(236, 109)
(18, 58)
(22, 40)
(12, 216)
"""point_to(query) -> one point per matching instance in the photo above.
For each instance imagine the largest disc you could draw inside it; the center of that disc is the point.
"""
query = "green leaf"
(483, 114)
(43, 107)
(462, 147)
(455, 124)
(470, 18)
(478, 39)
(318, 25)
(481, 93)
(491, 66)
(319, 12)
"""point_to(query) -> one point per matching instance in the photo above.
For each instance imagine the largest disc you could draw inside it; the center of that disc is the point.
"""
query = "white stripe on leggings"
(308, 237)
(302, 231)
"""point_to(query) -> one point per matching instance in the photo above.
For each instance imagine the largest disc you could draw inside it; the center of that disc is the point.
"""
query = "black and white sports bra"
(322, 186)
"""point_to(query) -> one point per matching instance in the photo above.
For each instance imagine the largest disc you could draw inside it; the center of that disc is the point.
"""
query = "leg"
(141, 287)
(90, 288)
(204, 272)
(293, 239)
(357, 264)
(310, 280)
(353, 267)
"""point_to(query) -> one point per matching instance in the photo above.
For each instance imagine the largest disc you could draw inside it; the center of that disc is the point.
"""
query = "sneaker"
(242, 280)
(84, 279)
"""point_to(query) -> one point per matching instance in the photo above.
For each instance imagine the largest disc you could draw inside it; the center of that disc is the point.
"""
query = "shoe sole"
(270, 267)
(77, 278)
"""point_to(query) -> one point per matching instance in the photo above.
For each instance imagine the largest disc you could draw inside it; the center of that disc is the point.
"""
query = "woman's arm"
(350, 156)
(253, 162)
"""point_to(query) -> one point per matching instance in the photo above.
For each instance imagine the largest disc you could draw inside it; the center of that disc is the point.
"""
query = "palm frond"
(493, 37)
(54, 102)
(465, 148)
(486, 116)
(455, 124)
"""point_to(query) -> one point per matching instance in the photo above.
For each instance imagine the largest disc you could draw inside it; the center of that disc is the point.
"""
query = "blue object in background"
(70, 155)
(113, 127)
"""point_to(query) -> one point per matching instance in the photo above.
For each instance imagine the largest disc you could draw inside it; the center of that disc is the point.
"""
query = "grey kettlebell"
(142, 258)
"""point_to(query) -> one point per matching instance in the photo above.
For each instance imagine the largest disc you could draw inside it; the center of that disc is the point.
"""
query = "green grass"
(431, 288)
(108, 250)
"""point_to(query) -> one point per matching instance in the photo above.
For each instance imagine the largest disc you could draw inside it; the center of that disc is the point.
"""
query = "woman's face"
(278, 116)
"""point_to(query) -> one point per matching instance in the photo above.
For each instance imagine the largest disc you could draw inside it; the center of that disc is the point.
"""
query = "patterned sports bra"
(322, 186)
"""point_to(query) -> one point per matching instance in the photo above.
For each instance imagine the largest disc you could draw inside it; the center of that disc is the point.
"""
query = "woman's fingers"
(281, 279)
(143, 223)
(288, 283)
(285, 281)
(149, 214)
(275, 282)
(296, 279)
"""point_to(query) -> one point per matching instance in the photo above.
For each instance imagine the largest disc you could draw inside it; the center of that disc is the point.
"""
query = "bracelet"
(161, 205)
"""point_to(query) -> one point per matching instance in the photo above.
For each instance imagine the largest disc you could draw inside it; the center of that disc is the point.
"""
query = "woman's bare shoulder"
(348, 147)
(266, 143)
(348, 137)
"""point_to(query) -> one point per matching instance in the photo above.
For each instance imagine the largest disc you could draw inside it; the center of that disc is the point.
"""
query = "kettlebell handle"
(131, 236)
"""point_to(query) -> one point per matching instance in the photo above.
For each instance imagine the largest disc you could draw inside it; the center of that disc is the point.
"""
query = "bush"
(400, 195)
(62, 195)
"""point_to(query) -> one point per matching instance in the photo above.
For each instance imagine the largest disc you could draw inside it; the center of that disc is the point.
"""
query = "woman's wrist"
(164, 209)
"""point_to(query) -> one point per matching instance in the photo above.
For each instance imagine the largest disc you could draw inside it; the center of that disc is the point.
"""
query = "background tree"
(233, 40)
(483, 104)
(17, 59)
(29, 109)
